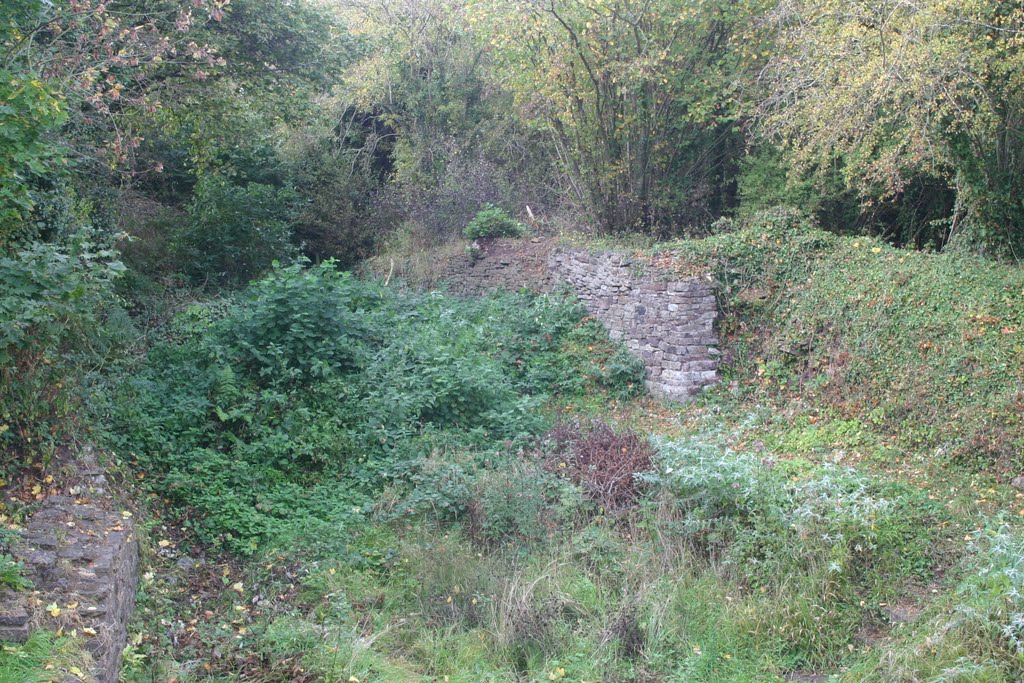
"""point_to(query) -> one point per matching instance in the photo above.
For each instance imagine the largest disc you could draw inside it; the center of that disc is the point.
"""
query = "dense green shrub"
(30, 111)
(301, 323)
(252, 406)
(56, 304)
(502, 498)
(236, 231)
(493, 221)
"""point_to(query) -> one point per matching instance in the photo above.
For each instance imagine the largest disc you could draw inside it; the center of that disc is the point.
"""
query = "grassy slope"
(756, 556)
(923, 348)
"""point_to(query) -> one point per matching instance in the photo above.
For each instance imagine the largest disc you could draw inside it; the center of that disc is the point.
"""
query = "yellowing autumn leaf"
(53, 609)
(163, 543)
(237, 587)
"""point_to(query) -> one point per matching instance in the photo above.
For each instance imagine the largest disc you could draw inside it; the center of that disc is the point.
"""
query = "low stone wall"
(499, 265)
(665, 320)
(81, 553)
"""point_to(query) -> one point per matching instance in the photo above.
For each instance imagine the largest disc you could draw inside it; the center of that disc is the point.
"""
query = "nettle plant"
(311, 379)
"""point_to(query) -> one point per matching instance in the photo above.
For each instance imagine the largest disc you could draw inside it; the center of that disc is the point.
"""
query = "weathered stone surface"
(667, 322)
(14, 617)
(82, 554)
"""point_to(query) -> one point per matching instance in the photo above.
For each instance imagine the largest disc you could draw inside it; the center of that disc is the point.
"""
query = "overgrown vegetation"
(492, 221)
(339, 479)
(310, 383)
(922, 347)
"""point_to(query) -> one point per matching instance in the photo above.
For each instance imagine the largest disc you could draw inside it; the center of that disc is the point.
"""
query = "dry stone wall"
(666, 320)
(499, 265)
(80, 552)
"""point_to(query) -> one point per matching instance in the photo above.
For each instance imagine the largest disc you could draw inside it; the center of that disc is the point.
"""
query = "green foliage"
(29, 109)
(939, 98)
(11, 575)
(492, 221)
(54, 314)
(642, 121)
(426, 93)
(767, 519)
(501, 500)
(309, 381)
(298, 323)
(895, 338)
(236, 231)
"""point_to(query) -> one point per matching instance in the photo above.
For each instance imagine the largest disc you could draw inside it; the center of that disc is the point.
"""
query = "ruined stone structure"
(666, 320)
(669, 323)
(499, 265)
(81, 554)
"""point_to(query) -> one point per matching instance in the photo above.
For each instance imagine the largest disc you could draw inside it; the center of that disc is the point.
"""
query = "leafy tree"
(237, 231)
(28, 114)
(454, 136)
(907, 91)
(640, 99)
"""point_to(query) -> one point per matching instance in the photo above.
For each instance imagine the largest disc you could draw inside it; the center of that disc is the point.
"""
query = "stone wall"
(499, 264)
(81, 553)
(666, 320)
